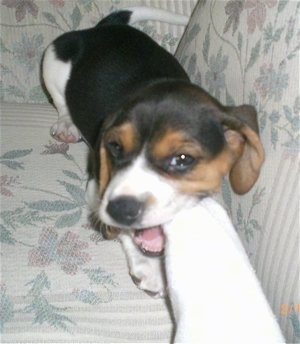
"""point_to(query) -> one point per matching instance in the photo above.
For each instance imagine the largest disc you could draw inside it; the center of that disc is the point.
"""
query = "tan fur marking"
(105, 171)
(125, 135)
(108, 232)
(175, 142)
(207, 175)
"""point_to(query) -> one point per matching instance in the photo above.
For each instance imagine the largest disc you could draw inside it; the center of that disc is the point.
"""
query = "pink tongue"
(151, 239)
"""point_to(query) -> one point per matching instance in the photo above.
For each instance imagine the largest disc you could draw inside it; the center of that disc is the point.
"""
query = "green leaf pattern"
(54, 212)
(40, 308)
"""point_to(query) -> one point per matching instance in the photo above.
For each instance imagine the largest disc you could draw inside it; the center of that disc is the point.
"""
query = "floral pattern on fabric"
(57, 245)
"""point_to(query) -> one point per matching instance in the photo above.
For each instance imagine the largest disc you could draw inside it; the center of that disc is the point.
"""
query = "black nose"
(125, 210)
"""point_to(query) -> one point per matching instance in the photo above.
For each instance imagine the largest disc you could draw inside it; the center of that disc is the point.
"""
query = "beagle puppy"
(214, 291)
(158, 142)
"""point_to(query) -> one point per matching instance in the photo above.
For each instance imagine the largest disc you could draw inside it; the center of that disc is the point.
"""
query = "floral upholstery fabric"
(28, 26)
(60, 281)
(247, 51)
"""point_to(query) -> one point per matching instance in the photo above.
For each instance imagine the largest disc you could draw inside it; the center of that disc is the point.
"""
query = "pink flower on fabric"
(58, 3)
(258, 13)
(56, 148)
(66, 251)
(22, 7)
(5, 183)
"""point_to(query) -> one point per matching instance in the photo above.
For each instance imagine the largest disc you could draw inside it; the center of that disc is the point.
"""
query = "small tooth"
(145, 247)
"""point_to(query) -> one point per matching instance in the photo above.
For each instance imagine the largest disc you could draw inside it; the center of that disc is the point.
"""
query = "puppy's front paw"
(148, 275)
(65, 130)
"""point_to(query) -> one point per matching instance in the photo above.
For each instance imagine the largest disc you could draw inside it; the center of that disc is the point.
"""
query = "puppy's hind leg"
(56, 74)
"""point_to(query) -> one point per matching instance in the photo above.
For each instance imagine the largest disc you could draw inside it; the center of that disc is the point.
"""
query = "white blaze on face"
(160, 196)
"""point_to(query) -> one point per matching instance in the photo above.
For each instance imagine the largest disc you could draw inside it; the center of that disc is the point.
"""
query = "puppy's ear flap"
(242, 136)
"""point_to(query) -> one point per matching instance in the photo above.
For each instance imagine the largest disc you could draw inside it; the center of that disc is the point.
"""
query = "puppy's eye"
(115, 149)
(181, 162)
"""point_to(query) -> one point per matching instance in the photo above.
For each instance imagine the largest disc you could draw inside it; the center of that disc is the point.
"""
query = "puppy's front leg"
(184, 285)
(146, 272)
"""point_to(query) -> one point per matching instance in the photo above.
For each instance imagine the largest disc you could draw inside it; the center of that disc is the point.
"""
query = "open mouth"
(151, 241)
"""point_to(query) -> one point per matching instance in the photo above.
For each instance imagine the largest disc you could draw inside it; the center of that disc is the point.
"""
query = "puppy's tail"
(133, 15)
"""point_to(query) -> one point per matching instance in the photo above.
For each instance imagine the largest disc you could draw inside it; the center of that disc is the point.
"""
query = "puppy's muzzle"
(126, 210)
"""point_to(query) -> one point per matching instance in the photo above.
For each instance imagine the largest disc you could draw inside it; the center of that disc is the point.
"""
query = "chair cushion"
(60, 280)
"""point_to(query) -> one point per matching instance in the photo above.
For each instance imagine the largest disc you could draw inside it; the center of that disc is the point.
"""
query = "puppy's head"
(170, 145)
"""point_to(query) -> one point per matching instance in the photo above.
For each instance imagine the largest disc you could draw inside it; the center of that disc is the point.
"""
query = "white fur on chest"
(214, 291)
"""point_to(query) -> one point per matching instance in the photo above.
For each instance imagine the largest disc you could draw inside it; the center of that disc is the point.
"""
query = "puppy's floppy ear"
(242, 136)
